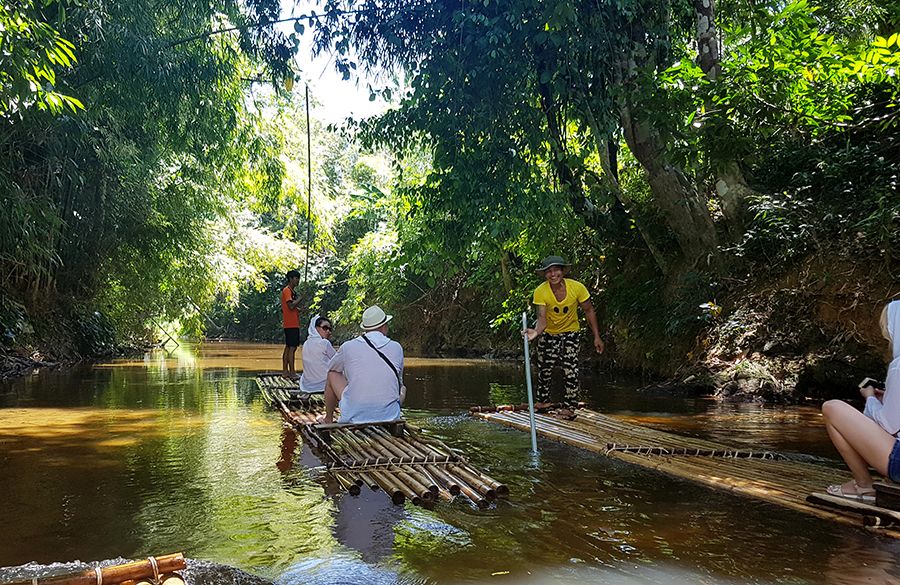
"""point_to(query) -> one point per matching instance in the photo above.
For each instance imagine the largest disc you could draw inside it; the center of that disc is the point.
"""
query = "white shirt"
(886, 412)
(373, 391)
(317, 352)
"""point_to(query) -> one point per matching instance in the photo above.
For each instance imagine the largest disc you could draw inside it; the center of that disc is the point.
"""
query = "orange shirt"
(291, 317)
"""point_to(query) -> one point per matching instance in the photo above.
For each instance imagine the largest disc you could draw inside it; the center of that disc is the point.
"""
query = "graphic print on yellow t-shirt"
(562, 316)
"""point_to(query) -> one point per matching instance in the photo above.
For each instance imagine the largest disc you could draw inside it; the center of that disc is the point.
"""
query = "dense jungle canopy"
(723, 175)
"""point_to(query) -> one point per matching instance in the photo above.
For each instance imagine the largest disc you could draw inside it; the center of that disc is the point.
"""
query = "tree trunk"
(707, 38)
(682, 206)
(605, 149)
(730, 184)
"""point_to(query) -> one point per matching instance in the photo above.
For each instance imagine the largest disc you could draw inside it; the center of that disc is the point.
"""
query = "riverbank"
(58, 339)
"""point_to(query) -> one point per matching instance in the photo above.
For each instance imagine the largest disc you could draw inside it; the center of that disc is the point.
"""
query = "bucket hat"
(552, 261)
(373, 318)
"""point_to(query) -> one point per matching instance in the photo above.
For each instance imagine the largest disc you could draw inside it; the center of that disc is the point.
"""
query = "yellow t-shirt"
(562, 316)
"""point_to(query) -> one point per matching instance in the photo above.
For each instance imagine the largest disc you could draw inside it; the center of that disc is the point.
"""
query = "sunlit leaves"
(31, 51)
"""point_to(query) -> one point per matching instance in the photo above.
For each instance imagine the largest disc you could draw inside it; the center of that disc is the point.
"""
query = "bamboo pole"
(389, 486)
(420, 491)
(397, 450)
(501, 489)
(346, 483)
(449, 482)
(368, 480)
(117, 574)
(479, 486)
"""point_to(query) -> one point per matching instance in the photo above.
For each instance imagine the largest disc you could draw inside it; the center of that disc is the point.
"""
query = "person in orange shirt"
(290, 314)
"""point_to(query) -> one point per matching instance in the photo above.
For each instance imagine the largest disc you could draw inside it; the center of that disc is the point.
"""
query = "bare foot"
(326, 420)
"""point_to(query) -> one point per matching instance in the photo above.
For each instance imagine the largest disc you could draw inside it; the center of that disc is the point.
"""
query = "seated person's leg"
(334, 389)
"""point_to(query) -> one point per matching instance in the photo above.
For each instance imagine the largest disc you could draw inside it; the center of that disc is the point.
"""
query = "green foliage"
(120, 206)
(31, 52)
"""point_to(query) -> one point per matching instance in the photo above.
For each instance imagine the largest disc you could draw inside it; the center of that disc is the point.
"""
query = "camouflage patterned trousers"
(560, 350)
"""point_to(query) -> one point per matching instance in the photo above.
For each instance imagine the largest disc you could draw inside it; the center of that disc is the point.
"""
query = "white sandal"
(860, 494)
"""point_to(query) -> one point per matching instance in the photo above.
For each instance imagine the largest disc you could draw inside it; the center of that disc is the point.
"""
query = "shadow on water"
(179, 453)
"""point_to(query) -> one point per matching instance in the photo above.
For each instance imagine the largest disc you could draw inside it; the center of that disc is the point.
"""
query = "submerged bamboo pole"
(345, 482)
(149, 568)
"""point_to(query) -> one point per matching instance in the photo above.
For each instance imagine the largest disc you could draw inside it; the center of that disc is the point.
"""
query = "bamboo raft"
(763, 475)
(158, 570)
(394, 456)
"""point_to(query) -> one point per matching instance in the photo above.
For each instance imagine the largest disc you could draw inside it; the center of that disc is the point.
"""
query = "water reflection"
(178, 452)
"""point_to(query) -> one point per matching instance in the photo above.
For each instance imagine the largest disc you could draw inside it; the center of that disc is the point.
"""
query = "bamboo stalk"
(479, 486)
(418, 488)
(346, 483)
(389, 486)
(116, 574)
(398, 450)
(501, 489)
(368, 480)
(439, 474)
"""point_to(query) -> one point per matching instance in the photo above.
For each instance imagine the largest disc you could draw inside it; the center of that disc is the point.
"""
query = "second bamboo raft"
(391, 456)
(763, 475)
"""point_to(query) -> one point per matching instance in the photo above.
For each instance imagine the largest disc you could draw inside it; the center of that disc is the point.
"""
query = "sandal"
(860, 494)
(563, 414)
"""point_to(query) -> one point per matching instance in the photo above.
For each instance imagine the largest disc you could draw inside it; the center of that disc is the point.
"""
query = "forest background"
(723, 176)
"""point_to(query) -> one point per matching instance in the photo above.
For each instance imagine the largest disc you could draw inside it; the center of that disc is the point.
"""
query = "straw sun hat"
(373, 318)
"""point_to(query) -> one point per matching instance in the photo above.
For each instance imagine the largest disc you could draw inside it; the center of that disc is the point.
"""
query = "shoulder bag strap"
(385, 358)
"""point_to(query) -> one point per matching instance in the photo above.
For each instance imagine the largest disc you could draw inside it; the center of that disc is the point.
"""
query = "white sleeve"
(887, 413)
(328, 349)
(337, 362)
(873, 406)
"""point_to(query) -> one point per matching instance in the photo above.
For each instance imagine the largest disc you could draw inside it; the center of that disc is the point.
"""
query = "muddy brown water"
(178, 452)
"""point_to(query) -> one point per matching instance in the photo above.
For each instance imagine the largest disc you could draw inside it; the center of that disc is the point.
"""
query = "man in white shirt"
(365, 377)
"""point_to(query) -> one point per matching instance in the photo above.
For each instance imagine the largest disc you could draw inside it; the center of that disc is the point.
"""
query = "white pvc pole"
(534, 448)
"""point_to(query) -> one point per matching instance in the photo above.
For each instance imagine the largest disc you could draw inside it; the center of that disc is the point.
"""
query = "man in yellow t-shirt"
(557, 300)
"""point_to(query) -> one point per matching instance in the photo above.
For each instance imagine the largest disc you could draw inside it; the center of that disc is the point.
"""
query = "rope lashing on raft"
(393, 461)
(692, 452)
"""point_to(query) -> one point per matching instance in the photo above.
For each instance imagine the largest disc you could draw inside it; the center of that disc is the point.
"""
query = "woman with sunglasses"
(317, 352)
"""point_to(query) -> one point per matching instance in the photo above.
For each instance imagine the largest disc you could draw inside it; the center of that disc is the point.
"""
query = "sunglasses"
(326, 327)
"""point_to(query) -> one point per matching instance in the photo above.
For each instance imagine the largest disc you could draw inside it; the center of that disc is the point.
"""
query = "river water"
(178, 452)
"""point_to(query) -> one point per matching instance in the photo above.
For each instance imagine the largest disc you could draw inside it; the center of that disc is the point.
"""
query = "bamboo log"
(116, 574)
(479, 486)
(389, 486)
(395, 448)
(501, 489)
(368, 480)
(437, 473)
(345, 482)
(421, 492)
